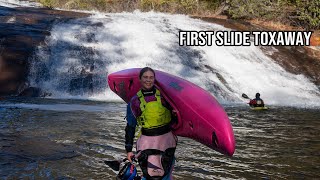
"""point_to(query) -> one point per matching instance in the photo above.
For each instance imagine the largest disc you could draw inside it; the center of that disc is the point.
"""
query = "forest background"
(277, 14)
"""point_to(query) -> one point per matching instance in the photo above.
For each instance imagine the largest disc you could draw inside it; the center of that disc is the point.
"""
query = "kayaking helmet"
(257, 95)
(128, 172)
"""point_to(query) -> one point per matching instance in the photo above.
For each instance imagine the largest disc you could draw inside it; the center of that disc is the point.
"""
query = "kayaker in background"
(156, 145)
(257, 102)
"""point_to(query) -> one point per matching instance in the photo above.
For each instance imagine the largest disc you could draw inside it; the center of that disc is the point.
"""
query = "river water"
(71, 139)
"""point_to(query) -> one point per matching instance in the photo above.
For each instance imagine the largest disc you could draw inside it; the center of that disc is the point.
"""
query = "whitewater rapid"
(115, 41)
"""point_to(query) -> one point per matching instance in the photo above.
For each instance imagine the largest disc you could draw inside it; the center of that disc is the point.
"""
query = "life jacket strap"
(142, 101)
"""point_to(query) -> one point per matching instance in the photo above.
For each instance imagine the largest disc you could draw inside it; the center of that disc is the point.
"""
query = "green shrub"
(189, 5)
(249, 9)
(48, 3)
(309, 13)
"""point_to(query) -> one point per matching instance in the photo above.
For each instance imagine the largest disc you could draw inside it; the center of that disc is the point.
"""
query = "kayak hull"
(199, 115)
(259, 108)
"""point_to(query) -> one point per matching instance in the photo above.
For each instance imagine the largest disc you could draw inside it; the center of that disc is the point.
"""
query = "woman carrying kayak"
(153, 115)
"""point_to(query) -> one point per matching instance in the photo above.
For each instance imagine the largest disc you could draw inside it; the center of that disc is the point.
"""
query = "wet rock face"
(21, 31)
(298, 60)
(33, 92)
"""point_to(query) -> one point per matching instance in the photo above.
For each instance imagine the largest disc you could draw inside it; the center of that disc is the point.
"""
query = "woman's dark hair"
(145, 69)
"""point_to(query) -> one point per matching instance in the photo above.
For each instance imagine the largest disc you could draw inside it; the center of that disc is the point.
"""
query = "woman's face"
(147, 80)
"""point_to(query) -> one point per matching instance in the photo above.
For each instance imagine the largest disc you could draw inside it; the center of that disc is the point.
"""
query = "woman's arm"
(130, 129)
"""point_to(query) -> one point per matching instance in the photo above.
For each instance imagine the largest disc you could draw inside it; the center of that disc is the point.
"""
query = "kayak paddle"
(115, 165)
(245, 96)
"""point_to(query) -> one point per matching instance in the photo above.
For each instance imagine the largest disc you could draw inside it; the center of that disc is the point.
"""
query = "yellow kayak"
(259, 108)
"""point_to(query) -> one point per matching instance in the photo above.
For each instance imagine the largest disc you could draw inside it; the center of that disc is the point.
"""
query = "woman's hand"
(129, 156)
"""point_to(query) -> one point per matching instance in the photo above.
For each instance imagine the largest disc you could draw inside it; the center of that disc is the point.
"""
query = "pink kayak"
(200, 116)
